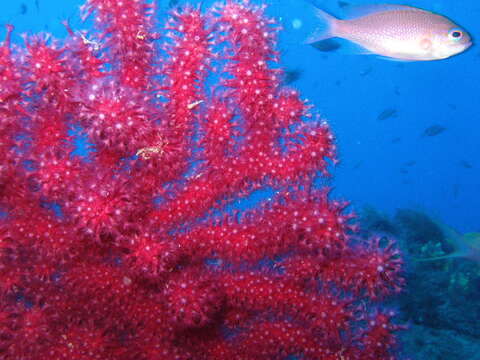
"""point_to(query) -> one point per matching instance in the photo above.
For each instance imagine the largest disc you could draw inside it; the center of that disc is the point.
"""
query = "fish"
(291, 76)
(395, 32)
(23, 9)
(456, 190)
(326, 45)
(387, 113)
(433, 130)
(357, 165)
(173, 3)
(465, 164)
(465, 245)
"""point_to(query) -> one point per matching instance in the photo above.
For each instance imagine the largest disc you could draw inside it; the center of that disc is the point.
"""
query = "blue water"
(384, 164)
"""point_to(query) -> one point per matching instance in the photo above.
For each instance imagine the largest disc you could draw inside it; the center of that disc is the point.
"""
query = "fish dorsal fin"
(357, 11)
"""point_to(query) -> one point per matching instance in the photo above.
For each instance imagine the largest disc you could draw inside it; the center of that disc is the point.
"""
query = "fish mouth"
(464, 46)
(467, 44)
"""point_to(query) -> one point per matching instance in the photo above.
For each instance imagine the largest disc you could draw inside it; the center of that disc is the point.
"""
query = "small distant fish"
(434, 130)
(291, 76)
(396, 140)
(410, 163)
(466, 164)
(37, 5)
(173, 3)
(357, 165)
(387, 114)
(456, 190)
(326, 45)
(395, 31)
(23, 9)
(403, 171)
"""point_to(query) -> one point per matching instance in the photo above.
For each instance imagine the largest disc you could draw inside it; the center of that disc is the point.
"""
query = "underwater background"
(407, 134)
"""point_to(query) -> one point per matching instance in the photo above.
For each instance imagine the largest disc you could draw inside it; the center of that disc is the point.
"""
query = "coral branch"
(131, 251)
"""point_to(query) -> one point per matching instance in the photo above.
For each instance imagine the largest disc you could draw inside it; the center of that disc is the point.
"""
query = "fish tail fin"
(325, 29)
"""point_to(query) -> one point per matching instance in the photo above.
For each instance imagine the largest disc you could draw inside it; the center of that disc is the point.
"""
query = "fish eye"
(455, 34)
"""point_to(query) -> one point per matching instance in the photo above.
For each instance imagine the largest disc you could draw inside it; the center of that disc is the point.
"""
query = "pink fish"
(396, 32)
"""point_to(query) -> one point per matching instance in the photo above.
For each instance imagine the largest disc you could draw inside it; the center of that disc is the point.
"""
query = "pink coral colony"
(128, 253)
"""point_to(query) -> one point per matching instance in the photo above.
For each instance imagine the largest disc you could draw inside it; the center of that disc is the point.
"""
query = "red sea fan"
(130, 252)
